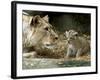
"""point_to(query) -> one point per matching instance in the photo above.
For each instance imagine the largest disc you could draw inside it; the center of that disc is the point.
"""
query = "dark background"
(62, 21)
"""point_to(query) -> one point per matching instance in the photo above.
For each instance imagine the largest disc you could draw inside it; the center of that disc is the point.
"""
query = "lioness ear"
(46, 18)
(31, 21)
(34, 20)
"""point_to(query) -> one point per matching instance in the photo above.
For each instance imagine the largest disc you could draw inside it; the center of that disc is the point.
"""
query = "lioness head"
(39, 30)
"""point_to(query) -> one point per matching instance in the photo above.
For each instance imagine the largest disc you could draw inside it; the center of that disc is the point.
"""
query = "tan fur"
(38, 30)
(77, 45)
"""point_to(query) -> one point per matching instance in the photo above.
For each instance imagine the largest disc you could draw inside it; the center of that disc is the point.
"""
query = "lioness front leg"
(29, 54)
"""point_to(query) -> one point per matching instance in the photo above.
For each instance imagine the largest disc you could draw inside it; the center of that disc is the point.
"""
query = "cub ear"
(34, 20)
(66, 34)
(46, 18)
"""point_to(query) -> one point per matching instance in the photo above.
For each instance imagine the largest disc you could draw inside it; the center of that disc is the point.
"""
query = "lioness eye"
(46, 28)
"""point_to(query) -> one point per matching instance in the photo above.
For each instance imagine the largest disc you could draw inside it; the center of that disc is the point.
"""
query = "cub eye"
(46, 28)
(76, 35)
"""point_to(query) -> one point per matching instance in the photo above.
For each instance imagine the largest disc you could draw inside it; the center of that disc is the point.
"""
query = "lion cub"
(77, 45)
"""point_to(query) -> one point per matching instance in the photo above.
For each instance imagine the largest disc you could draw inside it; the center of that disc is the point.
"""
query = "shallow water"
(38, 63)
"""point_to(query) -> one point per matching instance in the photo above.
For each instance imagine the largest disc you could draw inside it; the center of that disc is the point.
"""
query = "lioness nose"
(56, 38)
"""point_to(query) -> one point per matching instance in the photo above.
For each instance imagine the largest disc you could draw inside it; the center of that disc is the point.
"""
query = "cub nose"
(47, 43)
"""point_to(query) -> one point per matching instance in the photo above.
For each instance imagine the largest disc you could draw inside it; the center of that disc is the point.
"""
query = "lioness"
(37, 30)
